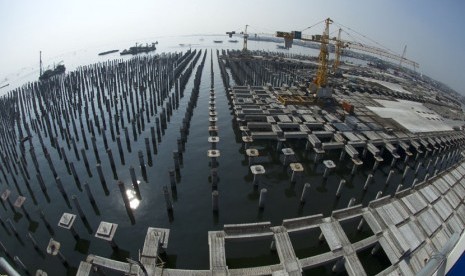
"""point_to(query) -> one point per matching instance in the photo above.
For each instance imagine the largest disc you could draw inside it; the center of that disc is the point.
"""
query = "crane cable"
(379, 44)
(313, 25)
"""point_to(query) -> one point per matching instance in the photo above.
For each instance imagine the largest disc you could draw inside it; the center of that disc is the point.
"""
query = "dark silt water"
(192, 206)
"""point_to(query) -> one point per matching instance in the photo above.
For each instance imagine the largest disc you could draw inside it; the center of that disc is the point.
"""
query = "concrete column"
(368, 181)
(176, 161)
(215, 195)
(388, 179)
(120, 149)
(393, 161)
(214, 178)
(305, 192)
(147, 149)
(47, 224)
(135, 184)
(78, 207)
(122, 190)
(399, 187)
(169, 205)
(414, 182)
(94, 147)
(112, 163)
(21, 265)
(339, 188)
(354, 169)
(101, 176)
(405, 172)
(128, 142)
(86, 162)
(418, 168)
(351, 202)
(153, 138)
(262, 200)
(343, 154)
(338, 266)
(89, 193)
(41, 182)
(75, 176)
(172, 179)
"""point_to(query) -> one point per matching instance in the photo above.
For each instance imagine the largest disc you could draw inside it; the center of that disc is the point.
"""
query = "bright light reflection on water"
(133, 200)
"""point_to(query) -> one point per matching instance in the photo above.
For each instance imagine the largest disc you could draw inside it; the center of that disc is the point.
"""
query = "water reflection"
(133, 200)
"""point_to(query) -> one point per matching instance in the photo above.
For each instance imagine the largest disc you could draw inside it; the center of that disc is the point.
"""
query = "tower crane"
(245, 36)
(340, 44)
(322, 73)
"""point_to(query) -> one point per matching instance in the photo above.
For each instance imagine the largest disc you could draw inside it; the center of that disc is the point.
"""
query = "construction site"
(234, 162)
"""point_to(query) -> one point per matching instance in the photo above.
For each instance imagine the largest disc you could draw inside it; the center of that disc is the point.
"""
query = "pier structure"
(128, 96)
(258, 113)
(410, 227)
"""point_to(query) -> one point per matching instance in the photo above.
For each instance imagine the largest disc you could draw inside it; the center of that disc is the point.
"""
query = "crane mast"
(322, 74)
(403, 56)
(246, 36)
(338, 51)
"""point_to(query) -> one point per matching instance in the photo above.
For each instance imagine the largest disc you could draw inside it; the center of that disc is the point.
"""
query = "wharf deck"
(409, 227)
(270, 120)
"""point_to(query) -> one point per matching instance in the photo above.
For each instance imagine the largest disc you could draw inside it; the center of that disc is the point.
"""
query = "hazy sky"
(432, 30)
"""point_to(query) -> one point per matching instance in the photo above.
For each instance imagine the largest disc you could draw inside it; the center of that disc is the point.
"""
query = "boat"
(233, 40)
(107, 52)
(218, 41)
(139, 49)
(59, 69)
(3, 86)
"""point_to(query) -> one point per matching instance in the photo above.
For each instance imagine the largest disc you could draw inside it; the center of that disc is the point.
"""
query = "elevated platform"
(409, 227)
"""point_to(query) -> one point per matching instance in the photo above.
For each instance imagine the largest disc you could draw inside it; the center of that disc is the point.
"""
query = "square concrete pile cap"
(5, 194)
(257, 169)
(53, 247)
(106, 231)
(213, 153)
(378, 158)
(213, 139)
(212, 119)
(247, 139)
(40, 272)
(211, 108)
(212, 113)
(252, 152)
(243, 128)
(19, 201)
(296, 167)
(287, 151)
(359, 162)
(213, 128)
(67, 220)
(329, 164)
